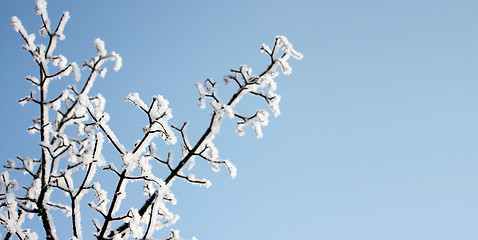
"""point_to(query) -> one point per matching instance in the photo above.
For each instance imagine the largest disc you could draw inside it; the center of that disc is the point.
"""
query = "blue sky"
(378, 133)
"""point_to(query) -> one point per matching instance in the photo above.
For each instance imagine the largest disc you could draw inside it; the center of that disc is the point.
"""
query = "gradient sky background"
(378, 133)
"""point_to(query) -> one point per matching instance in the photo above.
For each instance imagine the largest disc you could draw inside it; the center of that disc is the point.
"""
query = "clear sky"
(378, 133)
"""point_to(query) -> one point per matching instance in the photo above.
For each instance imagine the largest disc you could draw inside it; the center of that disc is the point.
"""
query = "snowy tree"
(73, 126)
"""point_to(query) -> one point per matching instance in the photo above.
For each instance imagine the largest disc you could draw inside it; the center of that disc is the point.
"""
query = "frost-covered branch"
(73, 126)
(251, 84)
(55, 145)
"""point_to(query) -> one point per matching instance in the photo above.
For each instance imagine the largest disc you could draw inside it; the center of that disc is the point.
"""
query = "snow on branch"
(262, 85)
(71, 144)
